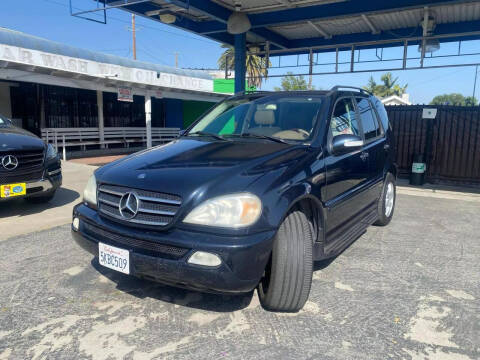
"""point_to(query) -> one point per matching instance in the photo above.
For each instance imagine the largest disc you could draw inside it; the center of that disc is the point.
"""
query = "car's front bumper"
(243, 258)
(41, 187)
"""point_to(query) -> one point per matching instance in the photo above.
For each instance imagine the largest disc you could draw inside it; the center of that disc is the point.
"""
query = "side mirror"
(182, 132)
(345, 143)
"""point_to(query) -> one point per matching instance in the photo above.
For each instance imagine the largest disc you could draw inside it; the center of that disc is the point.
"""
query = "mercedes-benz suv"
(29, 168)
(248, 197)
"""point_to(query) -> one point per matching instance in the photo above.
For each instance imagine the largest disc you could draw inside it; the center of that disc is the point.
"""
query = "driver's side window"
(344, 119)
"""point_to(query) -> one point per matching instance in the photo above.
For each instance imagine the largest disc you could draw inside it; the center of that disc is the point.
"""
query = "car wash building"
(45, 85)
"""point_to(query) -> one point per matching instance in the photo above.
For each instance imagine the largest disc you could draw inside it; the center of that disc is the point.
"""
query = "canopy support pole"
(148, 118)
(240, 62)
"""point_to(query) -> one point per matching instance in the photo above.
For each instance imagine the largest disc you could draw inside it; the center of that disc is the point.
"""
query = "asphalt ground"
(410, 290)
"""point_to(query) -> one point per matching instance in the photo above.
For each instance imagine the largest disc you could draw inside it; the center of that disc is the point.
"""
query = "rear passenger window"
(344, 119)
(370, 125)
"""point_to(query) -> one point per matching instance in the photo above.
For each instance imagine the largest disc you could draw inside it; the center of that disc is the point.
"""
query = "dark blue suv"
(250, 195)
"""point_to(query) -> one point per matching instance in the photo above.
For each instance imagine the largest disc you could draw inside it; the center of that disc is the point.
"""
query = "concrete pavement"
(407, 291)
(20, 217)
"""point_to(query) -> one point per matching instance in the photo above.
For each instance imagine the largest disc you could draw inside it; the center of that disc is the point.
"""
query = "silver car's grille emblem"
(128, 205)
(9, 162)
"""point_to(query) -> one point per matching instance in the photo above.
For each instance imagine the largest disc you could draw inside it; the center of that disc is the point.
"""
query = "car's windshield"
(282, 117)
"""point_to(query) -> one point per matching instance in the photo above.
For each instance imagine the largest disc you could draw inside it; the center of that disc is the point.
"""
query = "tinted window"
(344, 119)
(381, 112)
(371, 128)
(289, 118)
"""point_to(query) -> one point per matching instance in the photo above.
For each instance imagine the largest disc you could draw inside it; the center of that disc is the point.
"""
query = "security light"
(167, 18)
(238, 22)
(428, 24)
(431, 45)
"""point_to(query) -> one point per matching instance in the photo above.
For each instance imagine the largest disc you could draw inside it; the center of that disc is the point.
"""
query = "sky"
(158, 43)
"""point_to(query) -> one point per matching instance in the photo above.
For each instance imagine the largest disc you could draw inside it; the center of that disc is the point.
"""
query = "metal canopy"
(296, 24)
(313, 26)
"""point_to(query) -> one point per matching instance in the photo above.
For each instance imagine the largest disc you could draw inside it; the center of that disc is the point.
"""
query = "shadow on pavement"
(21, 207)
(142, 289)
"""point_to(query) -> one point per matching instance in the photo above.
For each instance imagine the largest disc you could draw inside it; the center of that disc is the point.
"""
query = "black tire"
(41, 199)
(384, 218)
(288, 276)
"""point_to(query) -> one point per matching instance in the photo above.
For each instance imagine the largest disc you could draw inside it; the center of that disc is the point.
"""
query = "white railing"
(69, 137)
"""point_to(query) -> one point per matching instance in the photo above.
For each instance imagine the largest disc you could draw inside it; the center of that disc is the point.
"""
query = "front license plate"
(11, 190)
(114, 258)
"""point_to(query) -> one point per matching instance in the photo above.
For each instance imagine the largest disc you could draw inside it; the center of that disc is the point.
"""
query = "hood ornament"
(128, 206)
(9, 162)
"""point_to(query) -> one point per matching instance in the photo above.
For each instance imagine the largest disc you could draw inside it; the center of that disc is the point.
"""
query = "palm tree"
(388, 88)
(256, 69)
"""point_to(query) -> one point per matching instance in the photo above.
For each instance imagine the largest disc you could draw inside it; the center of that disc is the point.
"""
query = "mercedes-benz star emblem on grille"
(9, 162)
(128, 205)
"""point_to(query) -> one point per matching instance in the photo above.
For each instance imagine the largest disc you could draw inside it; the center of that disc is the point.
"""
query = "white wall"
(5, 105)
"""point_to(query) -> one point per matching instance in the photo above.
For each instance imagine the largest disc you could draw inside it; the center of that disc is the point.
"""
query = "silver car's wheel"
(389, 199)
(386, 202)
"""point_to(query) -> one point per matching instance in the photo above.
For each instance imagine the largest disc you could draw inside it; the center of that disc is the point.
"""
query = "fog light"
(204, 258)
(76, 223)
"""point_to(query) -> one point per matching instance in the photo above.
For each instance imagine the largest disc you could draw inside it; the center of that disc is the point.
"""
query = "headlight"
(51, 152)
(90, 192)
(234, 211)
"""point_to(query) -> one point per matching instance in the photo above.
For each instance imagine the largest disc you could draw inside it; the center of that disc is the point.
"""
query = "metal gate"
(450, 142)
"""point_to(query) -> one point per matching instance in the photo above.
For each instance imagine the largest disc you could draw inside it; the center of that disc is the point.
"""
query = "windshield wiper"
(206, 133)
(258, 136)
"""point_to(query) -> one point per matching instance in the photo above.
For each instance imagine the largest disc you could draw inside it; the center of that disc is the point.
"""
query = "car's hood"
(14, 138)
(196, 166)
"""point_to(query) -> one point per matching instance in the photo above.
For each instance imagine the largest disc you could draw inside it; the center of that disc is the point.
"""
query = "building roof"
(17, 38)
(396, 100)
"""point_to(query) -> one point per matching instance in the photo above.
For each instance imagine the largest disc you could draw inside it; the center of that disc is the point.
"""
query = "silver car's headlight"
(90, 192)
(233, 211)
(51, 152)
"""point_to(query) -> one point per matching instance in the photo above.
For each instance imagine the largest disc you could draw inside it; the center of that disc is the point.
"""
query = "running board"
(355, 228)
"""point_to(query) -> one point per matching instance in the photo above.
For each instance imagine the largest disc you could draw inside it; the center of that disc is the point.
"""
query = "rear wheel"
(386, 204)
(288, 276)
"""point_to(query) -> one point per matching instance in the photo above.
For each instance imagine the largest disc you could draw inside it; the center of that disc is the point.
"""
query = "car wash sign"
(34, 58)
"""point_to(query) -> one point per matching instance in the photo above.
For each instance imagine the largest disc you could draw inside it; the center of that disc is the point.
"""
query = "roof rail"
(247, 92)
(338, 87)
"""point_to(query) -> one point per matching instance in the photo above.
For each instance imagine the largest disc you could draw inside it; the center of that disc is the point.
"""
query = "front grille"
(30, 166)
(154, 209)
(16, 176)
(141, 246)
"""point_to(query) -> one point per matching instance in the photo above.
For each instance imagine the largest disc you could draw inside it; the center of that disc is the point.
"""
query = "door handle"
(386, 147)
(364, 155)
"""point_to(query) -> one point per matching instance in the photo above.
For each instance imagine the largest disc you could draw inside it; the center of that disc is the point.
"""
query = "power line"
(145, 26)
(150, 54)
(439, 77)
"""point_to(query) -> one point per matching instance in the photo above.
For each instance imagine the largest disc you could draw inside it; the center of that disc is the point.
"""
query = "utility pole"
(176, 59)
(134, 39)
(475, 82)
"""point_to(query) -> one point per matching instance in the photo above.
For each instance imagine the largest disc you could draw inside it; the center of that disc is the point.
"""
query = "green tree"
(388, 88)
(256, 69)
(292, 82)
(454, 99)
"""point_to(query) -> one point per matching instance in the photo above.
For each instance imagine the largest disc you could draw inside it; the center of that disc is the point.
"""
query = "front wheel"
(286, 283)
(386, 203)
